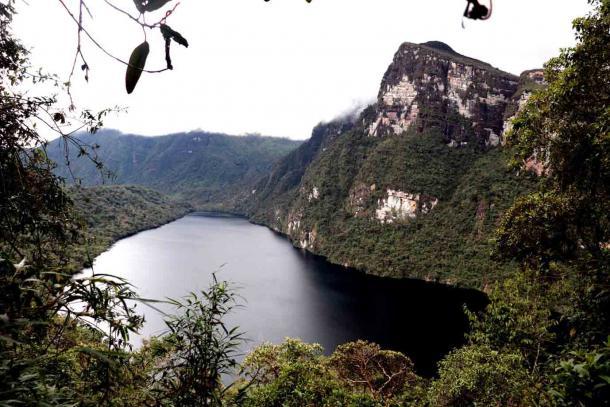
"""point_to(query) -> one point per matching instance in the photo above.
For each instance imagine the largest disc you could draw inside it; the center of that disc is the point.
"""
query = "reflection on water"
(287, 292)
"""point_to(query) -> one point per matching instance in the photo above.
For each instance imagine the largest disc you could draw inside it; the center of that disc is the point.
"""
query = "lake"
(287, 292)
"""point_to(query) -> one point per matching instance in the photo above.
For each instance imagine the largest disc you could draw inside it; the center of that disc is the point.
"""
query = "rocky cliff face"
(431, 86)
(398, 205)
(415, 186)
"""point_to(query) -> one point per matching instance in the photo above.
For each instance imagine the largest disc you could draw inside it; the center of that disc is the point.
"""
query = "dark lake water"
(287, 292)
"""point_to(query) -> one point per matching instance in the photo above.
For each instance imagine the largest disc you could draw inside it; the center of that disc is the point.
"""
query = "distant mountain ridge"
(207, 169)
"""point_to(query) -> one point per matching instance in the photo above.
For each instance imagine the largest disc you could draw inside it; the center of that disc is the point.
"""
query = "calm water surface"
(286, 292)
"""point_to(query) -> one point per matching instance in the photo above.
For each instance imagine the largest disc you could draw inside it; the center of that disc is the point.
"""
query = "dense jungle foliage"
(543, 340)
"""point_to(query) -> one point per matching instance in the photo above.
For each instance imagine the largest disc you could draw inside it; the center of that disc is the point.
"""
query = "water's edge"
(288, 291)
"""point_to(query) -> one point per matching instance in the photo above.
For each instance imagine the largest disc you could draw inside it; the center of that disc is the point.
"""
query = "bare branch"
(98, 45)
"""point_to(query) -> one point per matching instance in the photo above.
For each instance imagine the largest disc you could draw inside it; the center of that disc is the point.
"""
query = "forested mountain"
(208, 169)
(415, 186)
(288, 172)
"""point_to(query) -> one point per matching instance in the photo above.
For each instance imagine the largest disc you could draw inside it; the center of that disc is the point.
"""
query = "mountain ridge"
(443, 48)
(206, 169)
(416, 185)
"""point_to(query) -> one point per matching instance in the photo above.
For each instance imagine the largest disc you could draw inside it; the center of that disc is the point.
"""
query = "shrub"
(479, 375)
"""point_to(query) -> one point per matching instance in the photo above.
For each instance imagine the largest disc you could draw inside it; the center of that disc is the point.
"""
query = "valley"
(287, 292)
(421, 172)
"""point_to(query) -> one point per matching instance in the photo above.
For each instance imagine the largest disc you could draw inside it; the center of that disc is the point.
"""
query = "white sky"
(278, 68)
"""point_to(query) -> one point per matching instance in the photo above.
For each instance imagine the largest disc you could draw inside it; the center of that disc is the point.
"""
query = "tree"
(41, 300)
(289, 374)
(562, 231)
(566, 127)
(479, 375)
(560, 234)
(357, 374)
(366, 367)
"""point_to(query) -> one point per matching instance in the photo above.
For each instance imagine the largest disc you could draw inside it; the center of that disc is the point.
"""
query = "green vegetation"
(356, 374)
(527, 86)
(112, 212)
(446, 50)
(198, 350)
(474, 189)
(288, 171)
(212, 171)
(544, 339)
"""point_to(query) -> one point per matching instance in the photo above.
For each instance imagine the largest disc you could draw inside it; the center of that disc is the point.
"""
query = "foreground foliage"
(356, 374)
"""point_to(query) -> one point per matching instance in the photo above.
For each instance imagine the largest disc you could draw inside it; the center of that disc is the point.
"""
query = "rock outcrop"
(431, 86)
(400, 206)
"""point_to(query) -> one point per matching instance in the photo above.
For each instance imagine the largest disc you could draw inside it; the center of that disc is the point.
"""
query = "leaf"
(139, 5)
(168, 58)
(149, 5)
(136, 65)
(168, 33)
(9, 341)
(153, 5)
(59, 117)
(95, 353)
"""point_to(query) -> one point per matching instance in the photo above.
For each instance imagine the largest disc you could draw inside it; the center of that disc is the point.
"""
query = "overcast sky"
(278, 67)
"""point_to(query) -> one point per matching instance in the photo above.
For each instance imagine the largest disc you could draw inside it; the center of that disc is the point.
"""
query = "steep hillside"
(288, 172)
(416, 186)
(210, 170)
(112, 212)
